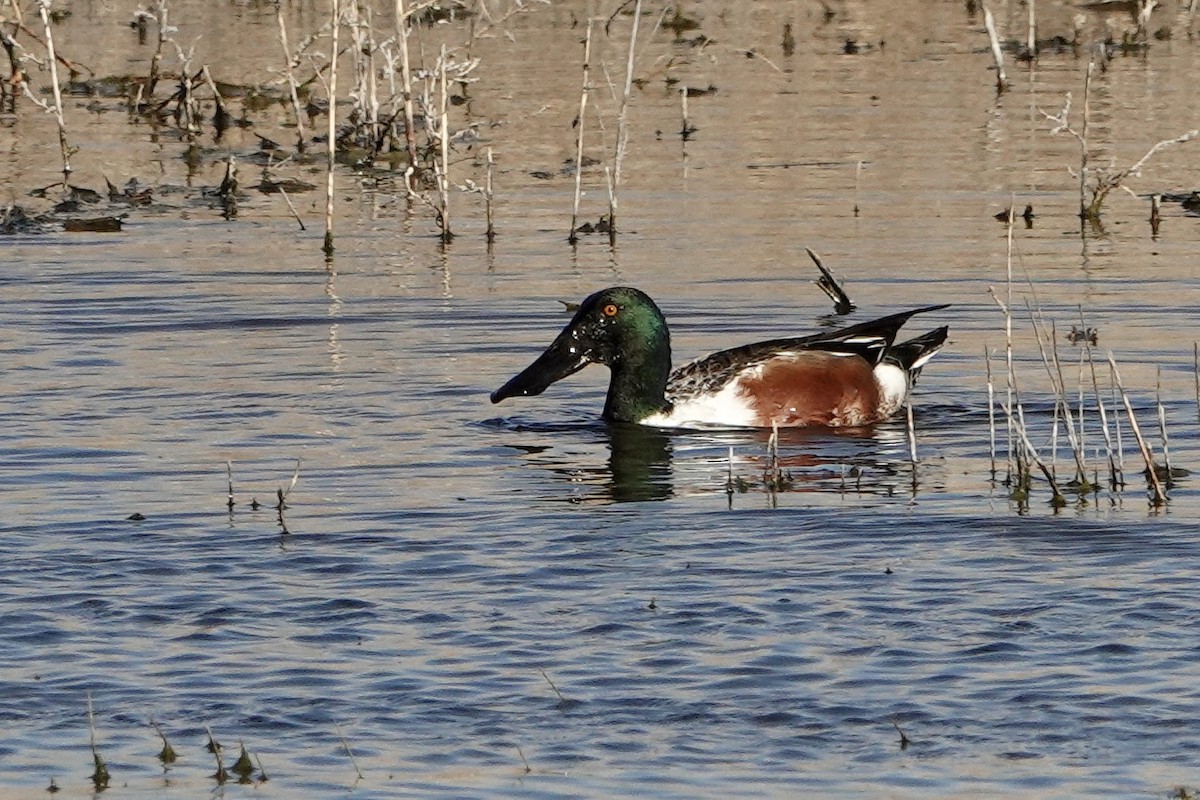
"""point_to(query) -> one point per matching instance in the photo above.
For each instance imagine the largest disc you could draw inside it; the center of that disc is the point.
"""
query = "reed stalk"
(289, 73)
(686, 131)
(214, 747)
(1056, 378)
(997, 54)
(487, 198)
(410, 134)
(167, 754)
(1196, 373)
(229, 501)
(365, 102)
(292, 208)
(100, 774)
(331, 130)
(858, 168)
(1083, 138)
(1006, 306)
(1162, 427)
(991, 393)
(729, 480)
(622, 126)
(1031, 33)
(1158, 496)
(1112, 380)
(160, 21)
(349, 752)
(573, 237)
(912, 435)
(1116, 480)
(1057, 499)
(443, 173)
(63, 146)
(220, 116)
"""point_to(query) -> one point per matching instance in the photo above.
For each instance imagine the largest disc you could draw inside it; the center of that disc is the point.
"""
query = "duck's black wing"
(872, 340)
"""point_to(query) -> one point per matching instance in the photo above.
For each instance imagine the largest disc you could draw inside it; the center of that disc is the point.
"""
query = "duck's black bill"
(562, 358)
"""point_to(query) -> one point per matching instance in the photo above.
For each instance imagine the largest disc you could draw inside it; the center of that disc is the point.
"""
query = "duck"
(847, 378)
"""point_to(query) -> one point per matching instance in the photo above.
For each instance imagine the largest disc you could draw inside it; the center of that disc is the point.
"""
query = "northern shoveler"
(846, 378)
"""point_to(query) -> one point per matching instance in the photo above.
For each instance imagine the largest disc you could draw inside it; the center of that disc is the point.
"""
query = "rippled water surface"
(466, 600)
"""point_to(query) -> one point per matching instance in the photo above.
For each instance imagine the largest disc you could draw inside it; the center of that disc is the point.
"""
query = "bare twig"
(622, 127)
(1159, 497)
(331, 129)
(487, 197)
(1105, 180)
(410, 136)
(443, 170)
(997, 53)
(291, 78)
(64, 148)
(579, 121)
(349, 752)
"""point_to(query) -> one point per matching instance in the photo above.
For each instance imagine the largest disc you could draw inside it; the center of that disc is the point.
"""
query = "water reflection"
(619, 463)
(639, 463)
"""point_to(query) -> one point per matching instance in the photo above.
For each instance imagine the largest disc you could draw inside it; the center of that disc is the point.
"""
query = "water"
(518, 600)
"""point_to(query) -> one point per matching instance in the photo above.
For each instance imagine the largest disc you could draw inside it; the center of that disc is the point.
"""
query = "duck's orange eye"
(610, 310)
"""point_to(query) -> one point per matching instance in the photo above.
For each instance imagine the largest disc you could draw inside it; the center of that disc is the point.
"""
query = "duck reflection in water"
(639, 463)
(638, 466)
(646, 464)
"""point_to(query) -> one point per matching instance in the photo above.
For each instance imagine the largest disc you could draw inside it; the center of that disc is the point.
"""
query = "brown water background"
(447, 560)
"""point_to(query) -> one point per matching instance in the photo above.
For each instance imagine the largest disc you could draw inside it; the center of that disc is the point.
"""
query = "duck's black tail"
(912, 355)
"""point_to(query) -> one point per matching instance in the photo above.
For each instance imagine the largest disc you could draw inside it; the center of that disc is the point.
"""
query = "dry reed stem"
(331, 130)
(487, 198)
(292, 208)
(1112, 385)
(1196, 373)
(583, 96)
(1056, 378)
(349, 752)
(991, 393)
(1106, 181)
(1031, 37)
(858, 168)
(443, 173)
(64, 147)
(290, 74)
(1116, 479)
(160, 20)
(997, 53)
(1011, 376)
(1159, 496)
(217, 99)
(622, 127)
(1083, 137)
(1162, 426)
(1031, 451)
(912, 434)
(561, 697)
(410, 134)
(229, 501)
(363, 114)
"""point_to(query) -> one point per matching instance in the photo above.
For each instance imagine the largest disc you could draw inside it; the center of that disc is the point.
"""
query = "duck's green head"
(620, 327)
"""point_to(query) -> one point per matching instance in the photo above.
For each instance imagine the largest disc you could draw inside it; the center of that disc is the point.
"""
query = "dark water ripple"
(773, 639)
